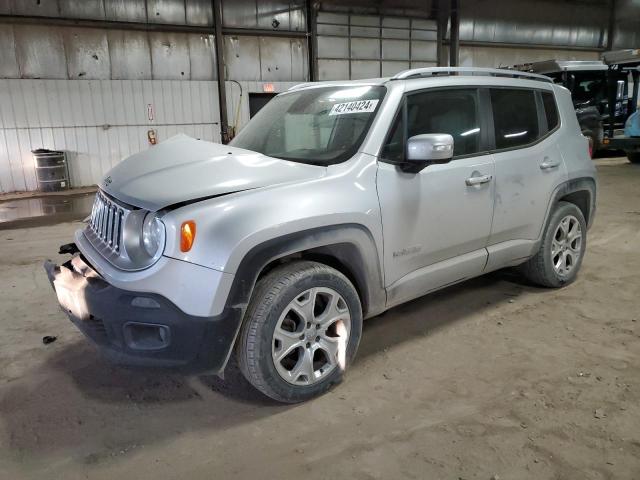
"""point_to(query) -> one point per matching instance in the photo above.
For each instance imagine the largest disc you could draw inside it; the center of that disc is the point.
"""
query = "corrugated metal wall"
(89, 91)
(33, 51)
(92, 95)
(98, 122)
(175, 12)
(286, 15)
(531, 30)
(535, 22)
(627, 24)
(266, 59)
(352, 46)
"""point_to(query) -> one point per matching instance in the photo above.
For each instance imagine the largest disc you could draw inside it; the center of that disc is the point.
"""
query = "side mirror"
(426, 149)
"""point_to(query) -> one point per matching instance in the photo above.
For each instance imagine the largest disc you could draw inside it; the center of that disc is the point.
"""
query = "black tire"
(272, 294)
(634, 157)
(539, 269)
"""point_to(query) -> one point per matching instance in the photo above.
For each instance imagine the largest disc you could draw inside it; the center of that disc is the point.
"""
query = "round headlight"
(152, 234)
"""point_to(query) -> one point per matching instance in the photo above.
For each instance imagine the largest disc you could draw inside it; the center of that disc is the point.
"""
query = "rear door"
(528, 166)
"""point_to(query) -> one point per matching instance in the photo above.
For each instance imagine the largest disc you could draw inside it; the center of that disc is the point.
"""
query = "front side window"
(515, 117)
(452, 111)
(320, 126)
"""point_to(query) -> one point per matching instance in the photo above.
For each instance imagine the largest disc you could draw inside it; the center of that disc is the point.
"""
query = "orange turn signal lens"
(187, 235)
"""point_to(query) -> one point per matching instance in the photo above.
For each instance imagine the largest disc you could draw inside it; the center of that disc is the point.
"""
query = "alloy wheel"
(566, 246)
(311, 336)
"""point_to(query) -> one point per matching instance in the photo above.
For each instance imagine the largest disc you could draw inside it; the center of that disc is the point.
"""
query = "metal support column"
(612, 25)
(441, 16)
(454, 41)
(312, 41)
(222, 92)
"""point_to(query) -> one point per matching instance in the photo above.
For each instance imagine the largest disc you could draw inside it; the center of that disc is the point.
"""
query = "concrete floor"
(28, 211)
(488, 379)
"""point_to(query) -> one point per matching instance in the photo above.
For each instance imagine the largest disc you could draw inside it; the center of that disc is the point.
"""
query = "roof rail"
(347, 83)
(491, 72)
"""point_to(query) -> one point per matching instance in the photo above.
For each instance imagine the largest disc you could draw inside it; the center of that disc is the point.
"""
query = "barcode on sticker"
(361, 106)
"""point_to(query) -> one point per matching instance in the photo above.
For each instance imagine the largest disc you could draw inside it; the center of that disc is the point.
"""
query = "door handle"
(546, 165)
(471, 181)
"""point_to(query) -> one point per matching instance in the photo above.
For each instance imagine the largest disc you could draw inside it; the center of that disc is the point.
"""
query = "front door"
(436, 223)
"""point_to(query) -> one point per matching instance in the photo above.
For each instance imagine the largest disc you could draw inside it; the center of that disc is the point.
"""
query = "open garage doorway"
(257, 101)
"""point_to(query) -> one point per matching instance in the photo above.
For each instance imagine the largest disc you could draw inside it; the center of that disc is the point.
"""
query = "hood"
(183, 169)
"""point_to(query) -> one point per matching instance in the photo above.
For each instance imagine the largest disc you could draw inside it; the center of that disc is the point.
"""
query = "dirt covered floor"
(488, 379)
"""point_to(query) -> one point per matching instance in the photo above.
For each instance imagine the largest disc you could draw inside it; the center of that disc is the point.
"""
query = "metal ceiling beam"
(150, 27)
(108, 25)
(534, 46)
(264, 33)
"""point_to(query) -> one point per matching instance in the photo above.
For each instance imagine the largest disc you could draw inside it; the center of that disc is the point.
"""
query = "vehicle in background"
(604, 94)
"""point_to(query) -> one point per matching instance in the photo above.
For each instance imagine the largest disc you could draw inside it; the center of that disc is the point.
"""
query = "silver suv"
(338, 201)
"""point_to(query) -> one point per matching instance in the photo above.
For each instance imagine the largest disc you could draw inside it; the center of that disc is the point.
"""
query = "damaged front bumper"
(140, 328)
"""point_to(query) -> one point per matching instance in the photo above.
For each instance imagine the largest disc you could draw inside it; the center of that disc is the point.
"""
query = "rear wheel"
(302, 329)
(634, 157)
(563, 245)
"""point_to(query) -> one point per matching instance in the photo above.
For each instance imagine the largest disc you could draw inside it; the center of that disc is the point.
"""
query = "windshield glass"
(320, 126)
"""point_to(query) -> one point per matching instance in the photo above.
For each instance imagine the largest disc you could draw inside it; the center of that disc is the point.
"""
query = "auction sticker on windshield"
(361, 106)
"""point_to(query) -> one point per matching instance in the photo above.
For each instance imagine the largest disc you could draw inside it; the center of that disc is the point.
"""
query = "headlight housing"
(144, 238)
(152, 234)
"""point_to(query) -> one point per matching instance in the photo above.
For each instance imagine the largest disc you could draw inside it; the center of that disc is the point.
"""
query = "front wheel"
(560, 254)
(301, 331)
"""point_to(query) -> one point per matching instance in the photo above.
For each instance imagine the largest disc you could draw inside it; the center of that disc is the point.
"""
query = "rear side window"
(515, 117)
(550, 110)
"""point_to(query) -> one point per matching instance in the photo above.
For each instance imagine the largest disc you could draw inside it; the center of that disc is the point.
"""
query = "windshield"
(320, 126)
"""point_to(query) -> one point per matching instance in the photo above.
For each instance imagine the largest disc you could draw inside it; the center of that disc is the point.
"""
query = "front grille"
(106, 221)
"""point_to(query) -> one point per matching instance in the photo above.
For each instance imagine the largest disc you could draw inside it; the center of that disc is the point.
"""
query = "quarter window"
(550, 110)
(515, 117)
